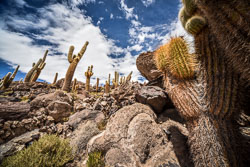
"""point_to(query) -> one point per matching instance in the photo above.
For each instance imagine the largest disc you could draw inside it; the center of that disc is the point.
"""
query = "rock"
(145, 64)
(14, 110)
(42, 101)
(104, 103)
(133, 138)
(80, 136)
(153, 96)
(18, 143)
(59, 110)
(168, 114)
(78, 117)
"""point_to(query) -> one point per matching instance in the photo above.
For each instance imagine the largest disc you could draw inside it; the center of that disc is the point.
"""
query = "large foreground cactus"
(73, 60)
(207, 101)
(229, 21)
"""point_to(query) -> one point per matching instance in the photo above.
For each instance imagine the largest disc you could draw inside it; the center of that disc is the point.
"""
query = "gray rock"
(133, 138)
(78, 117)
(14, 110)
(18, 143)
(153, 96)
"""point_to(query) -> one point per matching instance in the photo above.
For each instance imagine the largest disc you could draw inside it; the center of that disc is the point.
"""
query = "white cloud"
(129, 12)
(70, 27)
(111, 16)
(80, 2)
(147, 2)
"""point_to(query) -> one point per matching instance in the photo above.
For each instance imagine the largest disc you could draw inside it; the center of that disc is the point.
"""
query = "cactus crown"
(174, 58)
(89, 72)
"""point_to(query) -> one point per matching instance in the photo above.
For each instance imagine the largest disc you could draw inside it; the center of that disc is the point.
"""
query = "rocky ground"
(133, 125)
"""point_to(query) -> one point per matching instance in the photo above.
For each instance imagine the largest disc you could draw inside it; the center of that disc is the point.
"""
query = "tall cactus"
(107, 85)
(74, 86)
(229, 21)
(7, 80)
(73, 60)
(36, 73)
(97, 84)
(115, 81)
(55, 79)
(88, 74)
(129, 76)
(207, 102)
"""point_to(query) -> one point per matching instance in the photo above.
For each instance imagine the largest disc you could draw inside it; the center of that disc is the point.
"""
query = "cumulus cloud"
(70, 27)
(129, 12)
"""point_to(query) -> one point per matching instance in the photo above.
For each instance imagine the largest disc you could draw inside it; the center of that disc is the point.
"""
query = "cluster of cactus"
(36, 69)
(7, 79)
(115, 81)
(122, 80)
(207, 96)
(88, 74)
(73, 60)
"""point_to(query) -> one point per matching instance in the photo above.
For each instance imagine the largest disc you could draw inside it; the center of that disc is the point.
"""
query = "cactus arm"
(82, 51)
(37, 72)
(129, 76)
(70, 54)
(33, 69)
(14, 74)
(55, 79)
(45, 55)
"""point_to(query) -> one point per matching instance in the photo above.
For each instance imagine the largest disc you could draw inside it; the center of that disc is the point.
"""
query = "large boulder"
(155, 97)
(133, 138)
(145, 64)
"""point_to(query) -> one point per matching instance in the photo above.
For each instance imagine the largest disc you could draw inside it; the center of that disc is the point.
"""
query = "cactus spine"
(73, 60)
(115, 81)
(174, 58)
(88, 74)
(231, 26)
(55, 78)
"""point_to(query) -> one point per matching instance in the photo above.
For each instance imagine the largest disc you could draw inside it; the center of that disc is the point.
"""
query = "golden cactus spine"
(88, 75)
(36, 73)
(97, 84)
(174, 58)
(73, 60)
(55, 79)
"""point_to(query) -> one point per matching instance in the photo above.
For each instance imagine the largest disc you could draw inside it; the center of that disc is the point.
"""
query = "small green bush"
(48, 151)
(95, 159)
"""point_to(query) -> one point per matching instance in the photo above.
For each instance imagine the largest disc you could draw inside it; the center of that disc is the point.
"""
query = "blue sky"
(117, 31)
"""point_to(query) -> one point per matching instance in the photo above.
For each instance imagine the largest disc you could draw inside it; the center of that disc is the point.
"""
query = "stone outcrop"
(133, 138)
(155, 97)
(145, 64)
(14, 110)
